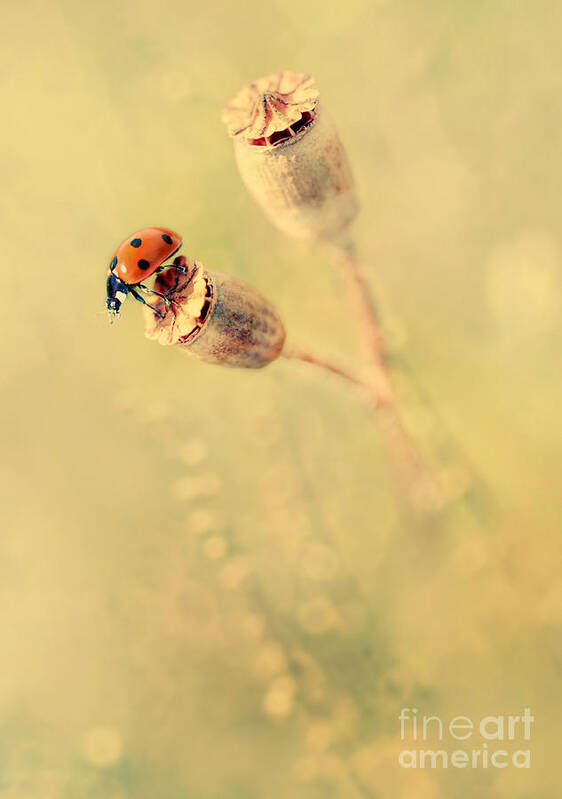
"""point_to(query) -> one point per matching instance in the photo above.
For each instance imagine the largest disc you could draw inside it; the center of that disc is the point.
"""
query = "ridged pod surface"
(227, 323)
(301, 176)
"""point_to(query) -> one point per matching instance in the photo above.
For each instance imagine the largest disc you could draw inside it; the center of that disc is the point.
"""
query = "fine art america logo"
(491, 741)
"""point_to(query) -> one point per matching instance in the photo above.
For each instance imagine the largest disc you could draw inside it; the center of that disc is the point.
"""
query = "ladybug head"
(117, 292)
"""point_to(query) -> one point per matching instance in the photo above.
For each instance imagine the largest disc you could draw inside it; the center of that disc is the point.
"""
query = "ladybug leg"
(148, 290)
(183, 269)
(179, 263)
(141, 299)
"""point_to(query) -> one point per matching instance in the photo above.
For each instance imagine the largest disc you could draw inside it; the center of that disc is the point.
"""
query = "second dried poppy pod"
(290, 156)
(214, 317)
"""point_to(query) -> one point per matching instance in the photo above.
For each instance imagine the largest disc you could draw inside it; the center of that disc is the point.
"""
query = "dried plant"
(214, 317)
(290, 156)
(292, 161)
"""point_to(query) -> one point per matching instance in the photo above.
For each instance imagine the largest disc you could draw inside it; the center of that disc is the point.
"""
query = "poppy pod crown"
(290, 156)
(272, 109)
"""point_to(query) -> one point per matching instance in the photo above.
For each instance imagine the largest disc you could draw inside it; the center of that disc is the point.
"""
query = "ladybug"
(136, 258)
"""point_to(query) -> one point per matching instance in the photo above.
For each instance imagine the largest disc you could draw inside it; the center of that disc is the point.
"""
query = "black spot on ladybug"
(167, 239)
(143, 263)
(136, 242)
(113, 263)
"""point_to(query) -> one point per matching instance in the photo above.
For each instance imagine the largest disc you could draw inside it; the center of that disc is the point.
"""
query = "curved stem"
(292, 352)
(409, 469)
(365, 315)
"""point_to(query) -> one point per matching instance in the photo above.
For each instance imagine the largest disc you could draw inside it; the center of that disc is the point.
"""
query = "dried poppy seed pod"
(214, 317)
(290, 156)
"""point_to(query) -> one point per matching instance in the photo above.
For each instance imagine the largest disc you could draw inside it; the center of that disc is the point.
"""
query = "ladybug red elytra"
(137, 257)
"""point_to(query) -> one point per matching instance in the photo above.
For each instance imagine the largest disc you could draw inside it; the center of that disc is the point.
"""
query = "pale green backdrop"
(206, 588)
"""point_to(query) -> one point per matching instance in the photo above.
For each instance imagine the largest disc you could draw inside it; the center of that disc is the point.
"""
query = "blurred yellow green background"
(207, 588)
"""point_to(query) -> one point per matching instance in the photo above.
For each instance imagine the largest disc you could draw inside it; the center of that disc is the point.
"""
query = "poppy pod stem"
(366, 316)
(411, 474)
(292, 352)
(411, 471)
(402, 449)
